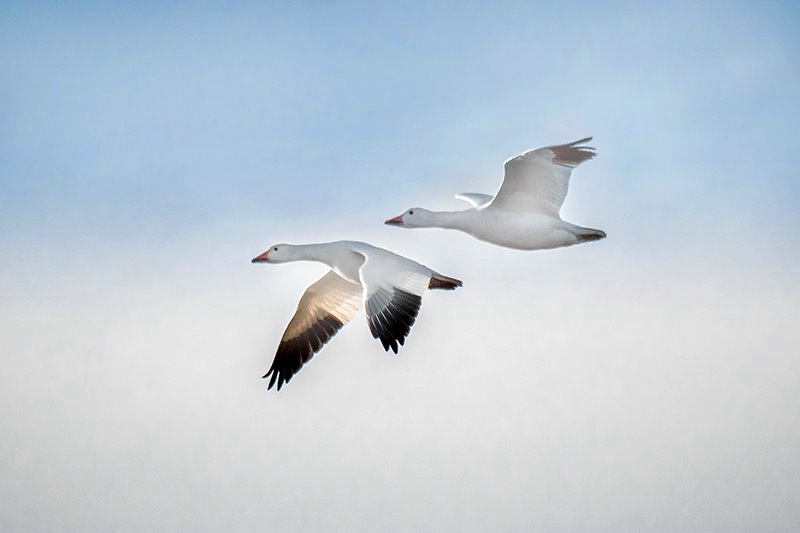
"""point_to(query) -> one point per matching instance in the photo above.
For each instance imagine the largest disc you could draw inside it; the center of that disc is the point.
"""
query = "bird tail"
(443, 282)
(589, 234)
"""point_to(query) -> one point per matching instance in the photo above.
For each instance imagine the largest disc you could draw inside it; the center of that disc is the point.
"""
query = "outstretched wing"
(393, 289)
(475, 198)
(537, 181)
(326, 306)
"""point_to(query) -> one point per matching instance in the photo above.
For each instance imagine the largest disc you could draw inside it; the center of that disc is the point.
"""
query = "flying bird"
(524, 214)
(389, 285)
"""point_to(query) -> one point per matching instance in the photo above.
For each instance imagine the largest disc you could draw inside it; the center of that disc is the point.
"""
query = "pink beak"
(261, 258)
(396, 221)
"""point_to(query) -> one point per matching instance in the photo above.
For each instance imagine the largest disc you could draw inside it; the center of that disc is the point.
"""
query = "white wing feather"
(476, 199)
(388, 270)
(328, 304)
(538, 180)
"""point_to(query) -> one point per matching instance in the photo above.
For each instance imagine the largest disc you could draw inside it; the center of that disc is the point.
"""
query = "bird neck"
(321, 253)
(447, 219)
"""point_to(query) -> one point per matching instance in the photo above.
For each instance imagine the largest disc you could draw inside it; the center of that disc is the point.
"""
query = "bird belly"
(522, 231)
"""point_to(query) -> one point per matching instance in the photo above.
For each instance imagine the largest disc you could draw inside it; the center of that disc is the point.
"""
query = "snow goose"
(390, 286)
(524, 214)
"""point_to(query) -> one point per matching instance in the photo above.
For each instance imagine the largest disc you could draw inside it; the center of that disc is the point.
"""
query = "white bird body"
(524, 214)
(389, 286)
(521, 231)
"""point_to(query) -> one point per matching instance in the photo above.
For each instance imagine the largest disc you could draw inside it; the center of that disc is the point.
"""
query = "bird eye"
(275, 249)
(411, 212)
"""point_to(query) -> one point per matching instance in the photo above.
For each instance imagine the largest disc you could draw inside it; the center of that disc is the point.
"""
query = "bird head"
(277, 253)
(416, 217)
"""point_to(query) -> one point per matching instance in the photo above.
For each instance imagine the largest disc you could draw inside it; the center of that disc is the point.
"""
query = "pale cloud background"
(643, 383)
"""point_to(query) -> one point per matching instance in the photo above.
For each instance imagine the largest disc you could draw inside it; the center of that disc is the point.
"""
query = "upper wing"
(327, 305)
(393, 289)
(538, 180)
(475, 198)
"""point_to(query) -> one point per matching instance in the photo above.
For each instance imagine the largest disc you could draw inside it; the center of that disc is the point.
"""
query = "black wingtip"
(384, 342)
(273, 375)
(572, 154)
(392, 323)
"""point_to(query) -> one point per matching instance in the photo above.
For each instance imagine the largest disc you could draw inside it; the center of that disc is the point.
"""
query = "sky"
(646, 382)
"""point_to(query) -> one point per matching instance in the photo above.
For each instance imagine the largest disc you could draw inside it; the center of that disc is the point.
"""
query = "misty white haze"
(594, 398)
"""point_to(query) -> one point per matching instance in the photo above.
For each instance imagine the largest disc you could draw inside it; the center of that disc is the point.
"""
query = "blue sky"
(135, 120)
(646, 382)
